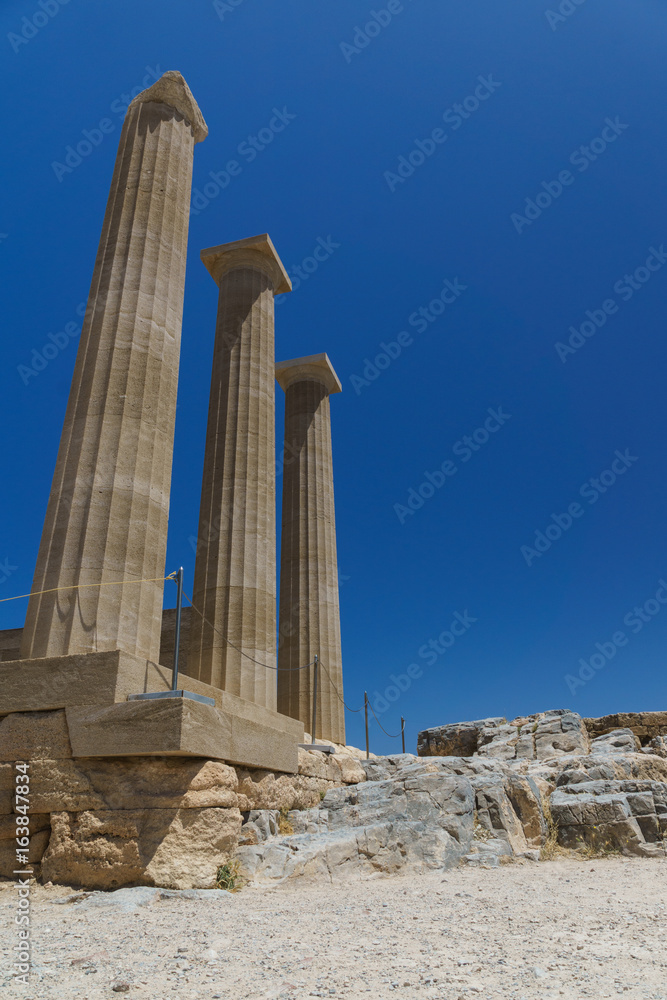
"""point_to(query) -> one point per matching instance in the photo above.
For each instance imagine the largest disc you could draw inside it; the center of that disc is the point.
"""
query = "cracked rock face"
(482, 806)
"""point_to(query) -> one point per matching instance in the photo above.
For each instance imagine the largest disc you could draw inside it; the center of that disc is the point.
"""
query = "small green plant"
(322, 794)
(228, 876)
(284, 826)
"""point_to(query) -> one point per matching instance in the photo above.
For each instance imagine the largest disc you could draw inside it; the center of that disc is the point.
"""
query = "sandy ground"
(558, 929)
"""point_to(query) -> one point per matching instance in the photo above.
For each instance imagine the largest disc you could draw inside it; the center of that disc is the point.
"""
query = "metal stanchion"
(403, 732)
(177, 636)
(366, 714)
(315, 671)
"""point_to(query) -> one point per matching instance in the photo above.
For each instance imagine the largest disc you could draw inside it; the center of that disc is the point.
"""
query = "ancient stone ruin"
(136, 776)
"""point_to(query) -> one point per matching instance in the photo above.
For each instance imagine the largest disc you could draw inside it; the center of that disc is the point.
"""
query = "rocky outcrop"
(533, 737)
(169, 822)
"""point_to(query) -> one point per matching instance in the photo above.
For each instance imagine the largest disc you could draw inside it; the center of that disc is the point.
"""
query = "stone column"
(235, 567)
(107, 514)
(309, 611)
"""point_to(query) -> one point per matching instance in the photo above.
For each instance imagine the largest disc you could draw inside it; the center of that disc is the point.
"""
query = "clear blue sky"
(361, 102)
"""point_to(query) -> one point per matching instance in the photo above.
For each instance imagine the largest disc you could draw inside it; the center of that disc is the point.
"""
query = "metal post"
(403, 732)
(315, 666)
(366, 714)
(177, 636)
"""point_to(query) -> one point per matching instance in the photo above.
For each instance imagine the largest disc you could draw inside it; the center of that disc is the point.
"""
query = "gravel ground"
(565, 928)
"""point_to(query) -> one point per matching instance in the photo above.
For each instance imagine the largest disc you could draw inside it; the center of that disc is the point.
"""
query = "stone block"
(171, 848)
(27, 736)
(453, 740)
(166, 726)
(131, 783)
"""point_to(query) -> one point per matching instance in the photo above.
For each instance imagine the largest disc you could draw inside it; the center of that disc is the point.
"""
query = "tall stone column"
(106, 519)
(235, 567)
(309, 610)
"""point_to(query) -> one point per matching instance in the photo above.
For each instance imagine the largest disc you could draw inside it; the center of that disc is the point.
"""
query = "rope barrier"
(390, 735)
(218, 632)
(83, 586)
(337, 693)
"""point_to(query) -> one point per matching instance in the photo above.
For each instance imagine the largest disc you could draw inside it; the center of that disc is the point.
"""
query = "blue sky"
(540, 199)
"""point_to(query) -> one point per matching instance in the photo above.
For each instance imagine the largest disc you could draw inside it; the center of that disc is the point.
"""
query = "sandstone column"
(235, 567)
(107, 514)
(309, 612)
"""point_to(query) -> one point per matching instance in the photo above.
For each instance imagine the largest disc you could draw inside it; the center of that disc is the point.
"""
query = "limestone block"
(495, 813)
(351, 771)
(560, 732)
(263, 790)
(28, 735)
(645, 725)
(627, 815)
(499, 742)
(455, 740)
(7, 775)
(617, 741)
(172, 848)
(131, 783)
(38, 822)
(38, 843)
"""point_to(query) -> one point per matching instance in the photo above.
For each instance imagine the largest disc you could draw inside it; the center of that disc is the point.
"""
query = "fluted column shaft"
(235, 567)
(309, 608)
(106, 519)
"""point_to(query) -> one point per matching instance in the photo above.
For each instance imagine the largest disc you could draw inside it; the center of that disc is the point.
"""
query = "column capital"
(255, 251)
(171, 89)
(316, 367)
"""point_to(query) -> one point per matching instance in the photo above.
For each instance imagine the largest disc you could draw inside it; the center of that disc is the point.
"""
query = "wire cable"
(82, 586)
(247, 656)
(390, 735)
(337, 692)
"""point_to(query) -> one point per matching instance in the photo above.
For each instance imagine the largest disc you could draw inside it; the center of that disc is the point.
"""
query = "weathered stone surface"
(26, 736)
(645, 725)
(130, 783)
(235, 568)
(617, 741)
(630, 816)
(419, 818)
(263, 790)
(174, 848)
(535, 737)
(455, 740)
(106, 520)
(38, 843)
(309, 609)
(38, 821)
(7, 774)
